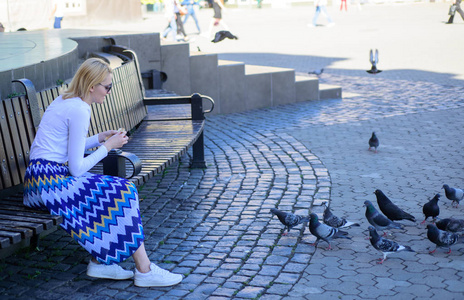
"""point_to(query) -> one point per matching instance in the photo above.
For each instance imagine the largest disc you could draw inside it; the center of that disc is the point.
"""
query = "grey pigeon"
(390, 210)
(374, 60)
(384, 245)
(374, 142)
(334, 221)
(379, 221)
(288, 219)
(223, 34)
(431, 209)
(453, 194)
(441, 238)
(451, 225)
(317, 72)
(324, 232)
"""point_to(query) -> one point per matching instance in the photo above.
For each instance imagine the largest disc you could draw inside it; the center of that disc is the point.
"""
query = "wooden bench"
(158, 137)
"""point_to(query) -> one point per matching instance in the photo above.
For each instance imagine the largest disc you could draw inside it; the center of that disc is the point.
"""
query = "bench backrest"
(20, 118)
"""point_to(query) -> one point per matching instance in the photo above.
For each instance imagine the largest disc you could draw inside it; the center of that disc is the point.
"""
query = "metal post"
(114, 164)
(198, 160)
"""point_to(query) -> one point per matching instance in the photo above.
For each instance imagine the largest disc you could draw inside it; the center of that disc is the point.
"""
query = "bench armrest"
(194, 100)
(115, 163)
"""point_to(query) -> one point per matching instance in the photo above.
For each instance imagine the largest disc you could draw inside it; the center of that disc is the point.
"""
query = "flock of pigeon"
(443, 233)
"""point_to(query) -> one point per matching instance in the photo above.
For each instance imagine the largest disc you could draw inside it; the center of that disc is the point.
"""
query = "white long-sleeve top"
(62, 136)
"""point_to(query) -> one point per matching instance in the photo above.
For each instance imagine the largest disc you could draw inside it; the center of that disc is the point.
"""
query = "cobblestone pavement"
(214, 225)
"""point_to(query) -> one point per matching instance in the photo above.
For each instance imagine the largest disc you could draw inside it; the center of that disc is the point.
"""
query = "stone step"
(231, 87)
(279, 82)
(327, 91)
(175, 62)
(204, 74)
(307, 88)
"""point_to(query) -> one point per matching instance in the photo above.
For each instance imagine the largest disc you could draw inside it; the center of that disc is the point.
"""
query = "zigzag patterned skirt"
(100, 212)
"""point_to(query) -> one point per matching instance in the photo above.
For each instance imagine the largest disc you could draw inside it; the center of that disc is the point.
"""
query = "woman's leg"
(142, 262)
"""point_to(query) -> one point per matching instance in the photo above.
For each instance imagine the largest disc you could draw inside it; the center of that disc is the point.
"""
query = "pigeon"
(324, 232)
(384, 245)
(453, 194)
(450, 224)
(431, 209)
(288, 219)
(373, 142)
(317, 72)
(379, 221)
(390, 210)
(334, 221)
(441, 238)
(374, 61)
(221, 35)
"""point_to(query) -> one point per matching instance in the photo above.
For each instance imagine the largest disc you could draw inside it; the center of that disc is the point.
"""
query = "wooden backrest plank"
(22, 151)
(138, 110)
(30, 130)
(119, 99)
(11, 141)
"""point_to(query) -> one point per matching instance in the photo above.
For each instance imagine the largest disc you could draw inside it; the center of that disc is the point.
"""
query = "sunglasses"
(107, 87)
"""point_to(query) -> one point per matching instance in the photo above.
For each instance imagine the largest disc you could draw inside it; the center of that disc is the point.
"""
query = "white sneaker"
(156, 277)
(331, 24)
(108, 271)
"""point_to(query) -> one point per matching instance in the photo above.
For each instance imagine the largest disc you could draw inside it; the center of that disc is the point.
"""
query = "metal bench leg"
(198, 160)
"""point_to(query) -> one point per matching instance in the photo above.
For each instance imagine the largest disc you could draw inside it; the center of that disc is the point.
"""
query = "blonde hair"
(91, 73)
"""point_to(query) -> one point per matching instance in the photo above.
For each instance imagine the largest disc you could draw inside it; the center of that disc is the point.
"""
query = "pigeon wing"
(386, 245)
(292, 220)
(381, 220)
(447, 238)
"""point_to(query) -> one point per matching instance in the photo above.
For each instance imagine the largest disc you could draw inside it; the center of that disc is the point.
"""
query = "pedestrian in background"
(190, 5)
(170, 14)
(57, 13)
(321, 6)
(458, 9)
(341, 5)
(180, 11)
(218, 7)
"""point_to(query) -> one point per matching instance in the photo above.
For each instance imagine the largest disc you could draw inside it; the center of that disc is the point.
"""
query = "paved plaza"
(214, 225)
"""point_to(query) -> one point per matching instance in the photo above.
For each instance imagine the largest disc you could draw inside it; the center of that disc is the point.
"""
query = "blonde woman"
(100, 212)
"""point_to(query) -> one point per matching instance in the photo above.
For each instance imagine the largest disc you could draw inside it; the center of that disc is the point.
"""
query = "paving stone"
(250, 292)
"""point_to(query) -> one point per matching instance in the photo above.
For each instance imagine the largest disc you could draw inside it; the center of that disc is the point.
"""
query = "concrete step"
(204, 74)
(306, 88)
(231, 87)
(327, 91)
(278, 85)
(175, 62)
(259, 87)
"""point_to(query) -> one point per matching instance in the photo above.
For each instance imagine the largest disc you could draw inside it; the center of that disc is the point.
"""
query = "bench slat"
(4, 242)
(8, 215)
(14, 237)
(19, 227)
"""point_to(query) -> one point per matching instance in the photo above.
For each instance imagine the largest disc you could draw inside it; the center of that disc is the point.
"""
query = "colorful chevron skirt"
(100, 212)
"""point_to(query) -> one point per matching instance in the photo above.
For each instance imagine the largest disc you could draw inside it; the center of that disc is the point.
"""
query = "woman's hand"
(103, 136)
(116, 140)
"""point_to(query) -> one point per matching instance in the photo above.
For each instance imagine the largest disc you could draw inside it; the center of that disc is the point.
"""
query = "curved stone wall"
(41, 56)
